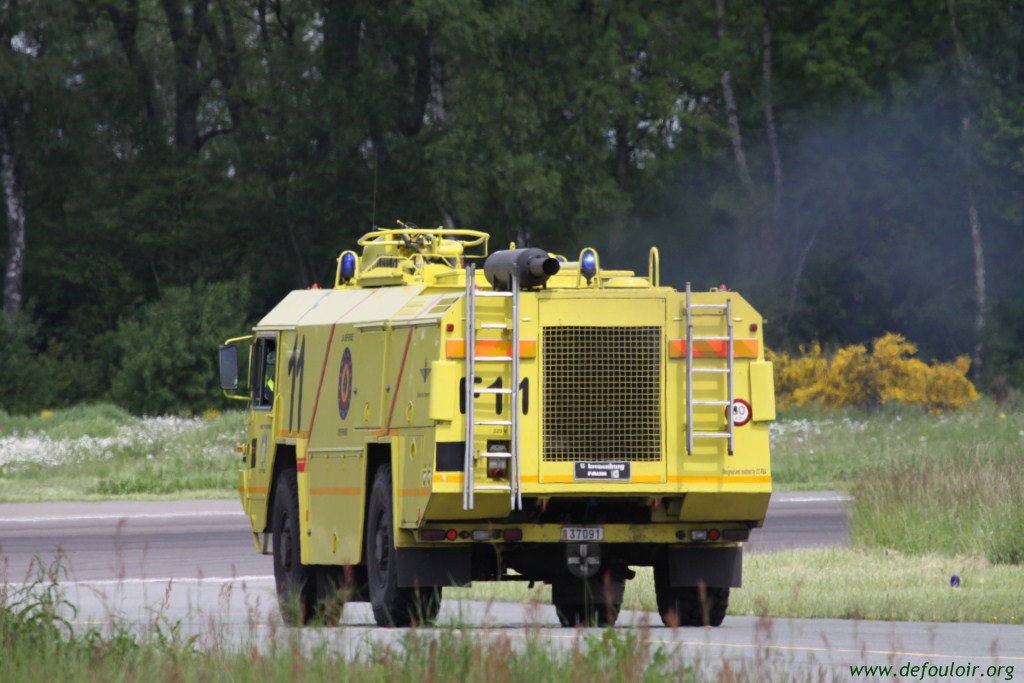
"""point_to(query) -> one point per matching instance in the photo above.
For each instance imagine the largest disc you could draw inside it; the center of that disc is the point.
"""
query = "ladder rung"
(499, 487)
(696, 339)
(492, 391)
(718, 307)
(711, 435)
(710, 403)
(493, 326)
(493, 423)
(490, 293)
(499, 455)
(492, 359)
(710, 371)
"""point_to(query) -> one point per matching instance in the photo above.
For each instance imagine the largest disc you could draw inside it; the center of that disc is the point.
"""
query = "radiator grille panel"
(602, 393)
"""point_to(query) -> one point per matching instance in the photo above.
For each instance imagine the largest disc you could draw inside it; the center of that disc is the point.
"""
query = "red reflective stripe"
(490, 348)
(398, 382)
(327, 355)
(742, 348)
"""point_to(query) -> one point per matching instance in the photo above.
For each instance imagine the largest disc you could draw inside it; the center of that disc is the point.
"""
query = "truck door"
(264, 388)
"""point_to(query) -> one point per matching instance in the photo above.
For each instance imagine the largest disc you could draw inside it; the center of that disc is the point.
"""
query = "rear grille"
(602, 393)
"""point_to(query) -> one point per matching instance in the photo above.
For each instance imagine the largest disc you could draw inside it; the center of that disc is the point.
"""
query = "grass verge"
(836, 450)
(966, 503)
(839, 583)
(38, 643)
(102, 452)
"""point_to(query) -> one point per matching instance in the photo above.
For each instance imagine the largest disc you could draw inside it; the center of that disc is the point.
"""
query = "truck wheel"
(296, 582)
(688, 605)
(588, 603)
(392, 605)
(332, 592)
(576, 614)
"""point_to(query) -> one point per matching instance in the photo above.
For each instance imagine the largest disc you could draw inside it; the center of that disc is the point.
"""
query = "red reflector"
(452, 534)
(512, 534)
(753, 327)
(432, 534)
(450, 327)
(714, 535)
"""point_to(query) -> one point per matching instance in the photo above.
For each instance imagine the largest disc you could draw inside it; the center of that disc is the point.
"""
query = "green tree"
(168, 348)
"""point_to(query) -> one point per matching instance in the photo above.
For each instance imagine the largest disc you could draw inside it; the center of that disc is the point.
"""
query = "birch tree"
(14, 197)
(964, 70)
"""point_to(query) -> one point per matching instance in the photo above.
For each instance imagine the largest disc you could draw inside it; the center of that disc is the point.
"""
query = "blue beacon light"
(588, 265)
(348, 266)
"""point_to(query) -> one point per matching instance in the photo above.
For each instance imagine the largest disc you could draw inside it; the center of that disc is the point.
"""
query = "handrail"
(373, 238)
(654, 267)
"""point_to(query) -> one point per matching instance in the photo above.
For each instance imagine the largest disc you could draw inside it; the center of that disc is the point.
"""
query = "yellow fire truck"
(428, 422)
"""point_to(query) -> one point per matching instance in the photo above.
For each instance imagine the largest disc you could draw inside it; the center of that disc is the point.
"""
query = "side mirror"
(228, 357)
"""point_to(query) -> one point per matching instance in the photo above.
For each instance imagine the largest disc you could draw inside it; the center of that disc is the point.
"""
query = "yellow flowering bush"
(853, 377)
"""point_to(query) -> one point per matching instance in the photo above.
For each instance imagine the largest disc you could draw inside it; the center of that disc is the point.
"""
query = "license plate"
(576, 533)
(607, 471)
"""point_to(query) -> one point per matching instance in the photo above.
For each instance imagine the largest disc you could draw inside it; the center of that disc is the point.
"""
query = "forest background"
(171, 168)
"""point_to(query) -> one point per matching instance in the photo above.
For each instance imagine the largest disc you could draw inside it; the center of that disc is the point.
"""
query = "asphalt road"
(211, 538)
(193, 563)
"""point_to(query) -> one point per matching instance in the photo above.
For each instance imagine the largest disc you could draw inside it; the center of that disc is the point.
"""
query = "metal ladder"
(717, 309)
(514, 485)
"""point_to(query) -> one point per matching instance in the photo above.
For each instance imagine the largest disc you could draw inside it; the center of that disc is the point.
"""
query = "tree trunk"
(731, 115)
(623, 151)
(126, 24)
(794, 290)
(979, 271)
(769, 111)
(188, 85)
(228, 60)
(438, 83)
(14, 195)
(974, 221)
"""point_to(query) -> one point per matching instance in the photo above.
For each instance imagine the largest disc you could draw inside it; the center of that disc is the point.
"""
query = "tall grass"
(967, 502)
(37, 643)
(835, 583)
(101, 451)
(920, 483)
(821, 449)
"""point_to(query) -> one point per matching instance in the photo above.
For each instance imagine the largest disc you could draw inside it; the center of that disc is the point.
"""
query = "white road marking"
(789, 498)
(169, 580)
(119, 516)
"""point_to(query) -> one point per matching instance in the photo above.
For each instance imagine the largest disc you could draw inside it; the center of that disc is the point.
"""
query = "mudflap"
(712, 567)
(423, 567)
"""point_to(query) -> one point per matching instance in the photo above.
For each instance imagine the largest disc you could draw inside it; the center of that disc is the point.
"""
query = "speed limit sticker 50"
(741, 412)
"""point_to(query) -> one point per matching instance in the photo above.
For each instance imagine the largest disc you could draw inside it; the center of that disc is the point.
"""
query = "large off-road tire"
(392, 605)
(593, 602)
(296, 582)
(688, 605)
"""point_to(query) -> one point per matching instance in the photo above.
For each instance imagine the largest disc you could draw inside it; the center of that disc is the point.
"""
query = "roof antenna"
(373, 215)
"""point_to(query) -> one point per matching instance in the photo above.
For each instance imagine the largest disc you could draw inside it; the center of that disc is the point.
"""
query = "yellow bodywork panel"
(762, 391)
(741, 507)
(374, 371)
(444, 381)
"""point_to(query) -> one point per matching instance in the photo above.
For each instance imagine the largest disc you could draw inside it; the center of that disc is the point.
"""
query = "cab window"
(264, 379)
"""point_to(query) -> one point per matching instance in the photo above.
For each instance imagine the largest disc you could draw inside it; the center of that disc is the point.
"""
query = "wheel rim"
(286, 545)
(382, 549)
